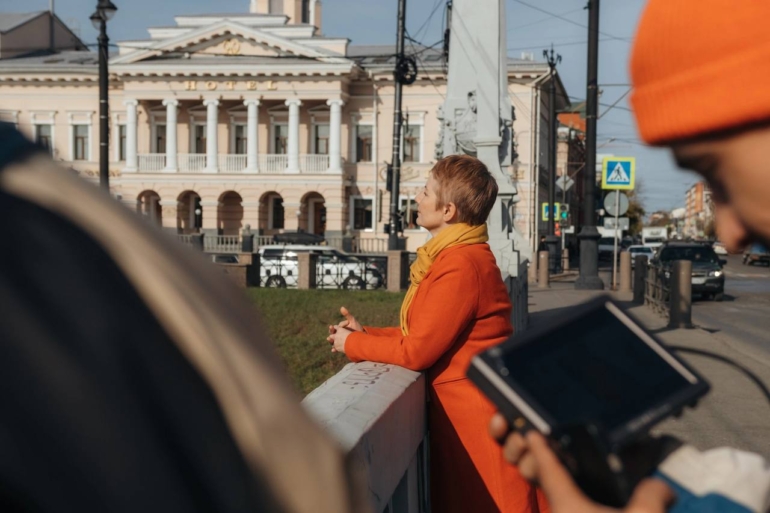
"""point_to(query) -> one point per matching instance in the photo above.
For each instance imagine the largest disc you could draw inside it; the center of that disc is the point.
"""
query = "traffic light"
(563, 212)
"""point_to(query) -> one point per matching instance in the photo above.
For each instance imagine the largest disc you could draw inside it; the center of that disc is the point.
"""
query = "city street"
(744, 315)
(735, 413)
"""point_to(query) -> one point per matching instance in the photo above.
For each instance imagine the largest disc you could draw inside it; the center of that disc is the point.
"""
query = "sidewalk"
(734, 413)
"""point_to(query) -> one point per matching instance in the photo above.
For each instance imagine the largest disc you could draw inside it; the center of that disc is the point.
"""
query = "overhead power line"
(567, 20)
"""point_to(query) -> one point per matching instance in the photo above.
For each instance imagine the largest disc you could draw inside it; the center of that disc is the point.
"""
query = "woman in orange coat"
(457, 306)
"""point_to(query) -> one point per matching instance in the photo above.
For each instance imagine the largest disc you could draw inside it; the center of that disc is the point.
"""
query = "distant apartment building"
(697, 210)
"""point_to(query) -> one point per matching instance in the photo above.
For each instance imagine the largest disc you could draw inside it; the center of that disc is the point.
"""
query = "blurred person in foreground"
(134, 377)
(700, 71)
(457, 306)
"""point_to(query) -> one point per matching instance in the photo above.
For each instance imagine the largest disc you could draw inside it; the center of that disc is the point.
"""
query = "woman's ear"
(450, 213)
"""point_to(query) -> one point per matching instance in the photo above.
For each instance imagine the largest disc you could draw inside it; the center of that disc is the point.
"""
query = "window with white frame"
(412, 145)
(321, 139)
(159, 144)
(80, 150)
(240, 141)
(280, 139)
(200, 139)
(364, 143)
(121, 143)
(408, 209)
(276, 213)
(44, 136)
(361, 211)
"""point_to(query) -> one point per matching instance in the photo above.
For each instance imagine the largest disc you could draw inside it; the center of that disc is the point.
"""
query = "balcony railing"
(151, 162)
(232, 163)
(273, 163)
(192, 162)
(313, 163)
(222, 243)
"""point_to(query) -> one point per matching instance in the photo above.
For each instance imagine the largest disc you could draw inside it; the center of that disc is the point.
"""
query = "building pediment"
(228, 38)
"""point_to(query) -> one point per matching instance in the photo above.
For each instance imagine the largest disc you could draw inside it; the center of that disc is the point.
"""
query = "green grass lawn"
(298, 322)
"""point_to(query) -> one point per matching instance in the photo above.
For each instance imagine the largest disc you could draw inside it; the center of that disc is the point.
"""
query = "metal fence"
(355, 273)
(278, 273)
(657, 295)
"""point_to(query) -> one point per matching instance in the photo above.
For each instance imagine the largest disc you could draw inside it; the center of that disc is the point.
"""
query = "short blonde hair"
(466, 182)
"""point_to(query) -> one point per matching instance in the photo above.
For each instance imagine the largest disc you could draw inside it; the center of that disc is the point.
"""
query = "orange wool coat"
(461, 308)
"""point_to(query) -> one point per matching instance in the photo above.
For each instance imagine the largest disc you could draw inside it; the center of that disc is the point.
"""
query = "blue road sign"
(618, 173)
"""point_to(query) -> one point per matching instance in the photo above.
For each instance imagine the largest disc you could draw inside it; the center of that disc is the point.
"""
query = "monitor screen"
(595, 369)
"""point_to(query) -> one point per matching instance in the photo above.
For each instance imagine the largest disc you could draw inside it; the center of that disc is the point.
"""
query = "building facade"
(698, 210)
(228, 120)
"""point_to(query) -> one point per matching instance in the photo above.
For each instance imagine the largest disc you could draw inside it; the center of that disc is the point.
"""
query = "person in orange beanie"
(699, 69)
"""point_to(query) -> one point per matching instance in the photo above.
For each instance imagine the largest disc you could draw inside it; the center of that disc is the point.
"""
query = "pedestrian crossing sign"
(618, 173)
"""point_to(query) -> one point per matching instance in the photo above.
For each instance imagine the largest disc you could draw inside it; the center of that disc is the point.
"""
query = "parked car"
(756, 253)
(719, 248)
(279, 268)
(708, 278)
(637, 250)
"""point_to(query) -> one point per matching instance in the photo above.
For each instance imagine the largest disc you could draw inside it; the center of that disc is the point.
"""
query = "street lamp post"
(589, 235)
(552, 241)
(105, 10)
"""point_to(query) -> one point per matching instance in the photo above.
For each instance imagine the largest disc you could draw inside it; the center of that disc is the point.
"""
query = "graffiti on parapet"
(366, 375)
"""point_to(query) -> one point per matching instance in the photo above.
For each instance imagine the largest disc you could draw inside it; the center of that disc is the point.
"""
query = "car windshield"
(606, 241)
(758, 248)
(647, 251)
(694, 254)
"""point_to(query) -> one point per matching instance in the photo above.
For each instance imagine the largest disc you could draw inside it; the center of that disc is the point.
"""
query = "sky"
(533, 25)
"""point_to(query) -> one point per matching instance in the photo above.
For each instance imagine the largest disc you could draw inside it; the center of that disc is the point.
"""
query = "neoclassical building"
(257, 118)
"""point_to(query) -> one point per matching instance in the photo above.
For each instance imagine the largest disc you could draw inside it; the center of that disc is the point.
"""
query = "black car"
(708, 278)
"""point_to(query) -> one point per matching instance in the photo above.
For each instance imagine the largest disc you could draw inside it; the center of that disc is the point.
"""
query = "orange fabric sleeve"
(382, 332)
(440, 313)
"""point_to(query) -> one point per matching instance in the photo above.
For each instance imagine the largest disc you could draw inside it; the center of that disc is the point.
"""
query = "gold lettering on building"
(230, 85)
(270, 85)
(251, 85)
(211, 85)
(190, 85)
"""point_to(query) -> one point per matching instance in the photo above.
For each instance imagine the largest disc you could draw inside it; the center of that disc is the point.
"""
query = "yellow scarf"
(453, 235)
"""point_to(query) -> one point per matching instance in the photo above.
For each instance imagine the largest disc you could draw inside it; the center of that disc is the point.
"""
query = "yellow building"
(227, 120)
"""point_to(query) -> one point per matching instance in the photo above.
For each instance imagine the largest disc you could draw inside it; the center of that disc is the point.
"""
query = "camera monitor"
(596, 371)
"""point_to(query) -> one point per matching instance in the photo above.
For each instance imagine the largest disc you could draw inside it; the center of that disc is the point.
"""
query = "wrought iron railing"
(657, 294)
(352, 273)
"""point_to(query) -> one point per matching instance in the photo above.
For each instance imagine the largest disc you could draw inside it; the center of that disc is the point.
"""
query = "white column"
(131, 150)
(252, 134)
(171, 139)
(335, 135)
(212, 148)
(293, 166)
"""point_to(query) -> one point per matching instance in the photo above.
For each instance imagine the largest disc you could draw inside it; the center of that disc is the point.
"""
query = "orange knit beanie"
(700, 66)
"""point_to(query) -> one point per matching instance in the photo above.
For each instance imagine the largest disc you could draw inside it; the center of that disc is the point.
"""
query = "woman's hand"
(350, 322)
(337, 336)
(538, 463)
